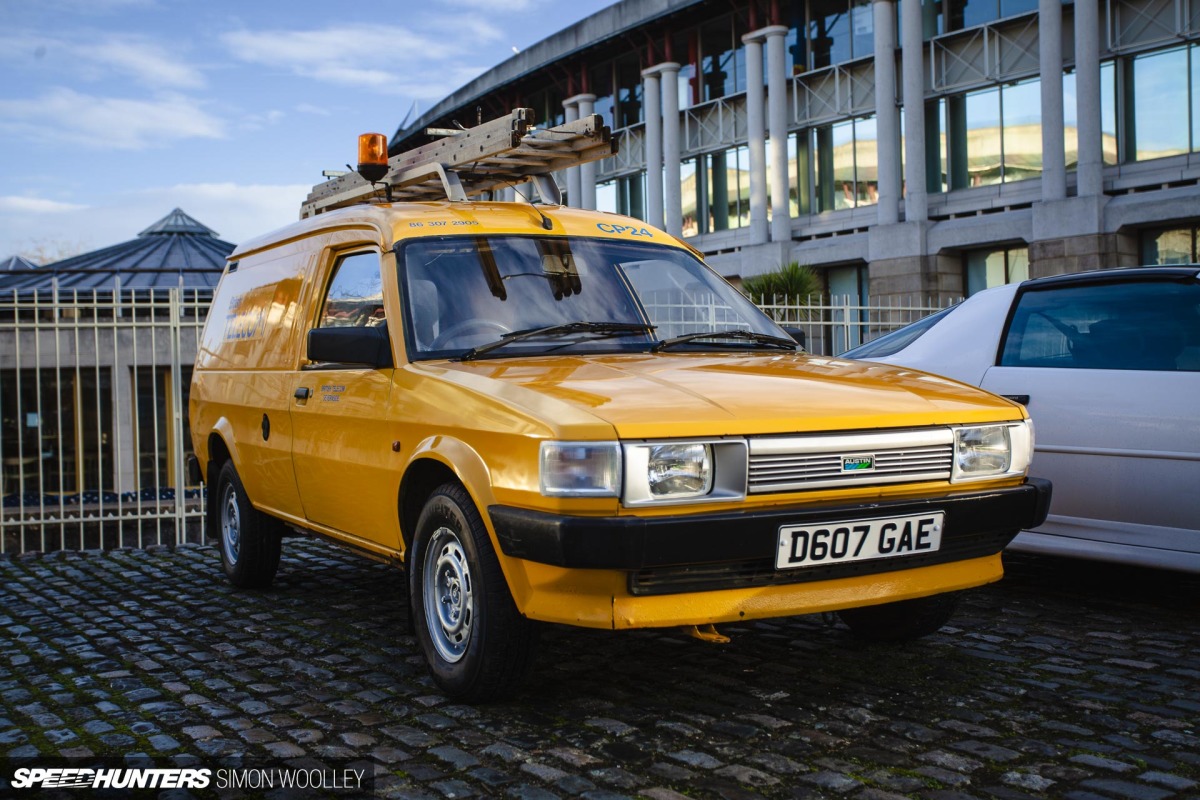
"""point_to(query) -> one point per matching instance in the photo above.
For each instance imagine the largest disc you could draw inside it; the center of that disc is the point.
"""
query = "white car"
(1108, 365)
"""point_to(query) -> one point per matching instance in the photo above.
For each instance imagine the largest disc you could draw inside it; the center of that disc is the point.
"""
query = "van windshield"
(464, 295)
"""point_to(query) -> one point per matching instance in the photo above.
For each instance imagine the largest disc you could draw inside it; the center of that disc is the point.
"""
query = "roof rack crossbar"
(503, 152)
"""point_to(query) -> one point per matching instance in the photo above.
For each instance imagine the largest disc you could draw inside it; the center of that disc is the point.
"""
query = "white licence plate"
(858, 540)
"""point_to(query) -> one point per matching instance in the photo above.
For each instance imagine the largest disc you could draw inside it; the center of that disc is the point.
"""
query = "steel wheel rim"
(449, 595)
(231, 526)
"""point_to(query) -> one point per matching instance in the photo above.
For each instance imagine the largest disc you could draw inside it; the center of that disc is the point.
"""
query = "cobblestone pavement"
(1066, 680)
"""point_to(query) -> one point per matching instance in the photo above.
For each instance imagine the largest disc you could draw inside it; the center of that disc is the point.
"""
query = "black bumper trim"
(638, 543)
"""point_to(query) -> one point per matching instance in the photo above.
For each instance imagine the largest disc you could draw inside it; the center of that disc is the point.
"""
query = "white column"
(587, 172)
(777, 127)
(1090, 171)
(887, 113)
(756, 134)
(912, 66)
(570, 114)
(1054, 170)
(653, 144)
(673, 192)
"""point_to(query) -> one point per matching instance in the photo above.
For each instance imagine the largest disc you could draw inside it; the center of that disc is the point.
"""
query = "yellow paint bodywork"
(337, 467)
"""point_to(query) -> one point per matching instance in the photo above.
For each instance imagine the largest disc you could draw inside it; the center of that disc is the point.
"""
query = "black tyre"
(899, 622)
(477, 645)
(250, 540)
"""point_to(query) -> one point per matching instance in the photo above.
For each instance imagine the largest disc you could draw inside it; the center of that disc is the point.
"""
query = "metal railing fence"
(93, 388)
(833, 324)
(93, 398)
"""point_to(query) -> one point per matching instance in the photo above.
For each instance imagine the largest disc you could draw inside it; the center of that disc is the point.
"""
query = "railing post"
(174, 301)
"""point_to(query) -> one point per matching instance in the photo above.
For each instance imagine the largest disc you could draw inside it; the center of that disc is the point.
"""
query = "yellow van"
(548, 414)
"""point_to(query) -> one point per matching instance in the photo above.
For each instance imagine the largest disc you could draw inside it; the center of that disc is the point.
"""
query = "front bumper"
(705, 552)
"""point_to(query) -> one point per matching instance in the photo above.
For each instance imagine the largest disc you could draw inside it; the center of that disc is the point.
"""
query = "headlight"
(679, 470)
(581, 469)
(682, 472)
(991, 451)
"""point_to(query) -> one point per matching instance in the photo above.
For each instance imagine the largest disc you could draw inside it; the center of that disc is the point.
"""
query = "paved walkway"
(1066, 680)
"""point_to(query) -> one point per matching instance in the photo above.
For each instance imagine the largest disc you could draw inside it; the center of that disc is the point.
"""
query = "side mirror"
(368, 346)
(796, 333)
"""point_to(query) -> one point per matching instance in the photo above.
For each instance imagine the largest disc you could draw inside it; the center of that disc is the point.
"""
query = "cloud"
(236, 211)
(497, 6)
(96, 57)
(36, 205)
(309, 108)
(146, 62)
(109, 123)
(99, 6)
(414, 64)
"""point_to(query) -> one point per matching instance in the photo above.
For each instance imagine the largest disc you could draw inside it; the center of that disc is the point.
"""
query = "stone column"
(673, 192)
(1054, 170)
(887, 113)
(652, 103)
(912, 64)
(587, 172)
(777, 127)
(1090, 170)
(756, 133)
(571, 114)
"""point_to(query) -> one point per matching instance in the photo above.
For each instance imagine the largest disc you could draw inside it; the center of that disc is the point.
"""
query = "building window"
(723, 59)
(984, 269)
(845, 158)
(942, 16)
(1108, 116)
(716, 191)
(1162, 246)
(992, 136)
(155, 441)
(547, 106)
(602, 86)
(793, 193)
(626, 195)
(689, 194)
(1157, 104)
(629, 91)
(57, 432)
(834, 31)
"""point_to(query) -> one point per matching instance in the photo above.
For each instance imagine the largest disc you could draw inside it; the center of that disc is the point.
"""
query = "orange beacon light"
(372, 156)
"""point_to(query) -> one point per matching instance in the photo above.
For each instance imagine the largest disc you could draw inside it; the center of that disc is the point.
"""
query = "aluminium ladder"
(503, 152)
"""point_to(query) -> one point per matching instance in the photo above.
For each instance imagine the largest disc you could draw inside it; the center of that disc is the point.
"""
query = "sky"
(114, 112)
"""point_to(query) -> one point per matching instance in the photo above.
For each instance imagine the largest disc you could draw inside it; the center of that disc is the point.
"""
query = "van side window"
(1153, 325)
(355, 296)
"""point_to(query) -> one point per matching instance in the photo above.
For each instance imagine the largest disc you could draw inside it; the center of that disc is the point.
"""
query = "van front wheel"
(477, 645)
(250, 540)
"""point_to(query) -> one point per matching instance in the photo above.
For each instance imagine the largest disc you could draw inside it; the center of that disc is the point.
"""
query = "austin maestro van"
(549, 415)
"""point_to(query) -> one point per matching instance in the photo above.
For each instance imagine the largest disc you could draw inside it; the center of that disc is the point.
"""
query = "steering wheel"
(459, 328)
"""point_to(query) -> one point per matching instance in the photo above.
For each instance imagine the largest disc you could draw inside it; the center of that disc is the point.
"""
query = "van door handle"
(303, 393)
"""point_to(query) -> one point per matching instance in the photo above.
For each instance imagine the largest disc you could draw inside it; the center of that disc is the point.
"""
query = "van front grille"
(797, 463)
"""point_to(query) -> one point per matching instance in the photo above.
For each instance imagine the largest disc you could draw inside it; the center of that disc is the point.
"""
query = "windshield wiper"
(746, 336)
(567, 328)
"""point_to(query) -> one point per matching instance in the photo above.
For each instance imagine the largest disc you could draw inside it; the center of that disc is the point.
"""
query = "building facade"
(903, 148)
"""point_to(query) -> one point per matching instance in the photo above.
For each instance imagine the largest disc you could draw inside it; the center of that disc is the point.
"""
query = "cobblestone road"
(1065, 680)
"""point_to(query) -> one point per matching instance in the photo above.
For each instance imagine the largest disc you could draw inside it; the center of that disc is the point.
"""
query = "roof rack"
(503, 152)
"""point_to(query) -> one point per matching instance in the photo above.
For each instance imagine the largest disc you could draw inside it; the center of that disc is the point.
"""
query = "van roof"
(392, 222)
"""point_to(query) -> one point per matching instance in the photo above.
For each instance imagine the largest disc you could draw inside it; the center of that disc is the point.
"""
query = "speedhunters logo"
(355, 779)
(87, 778)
